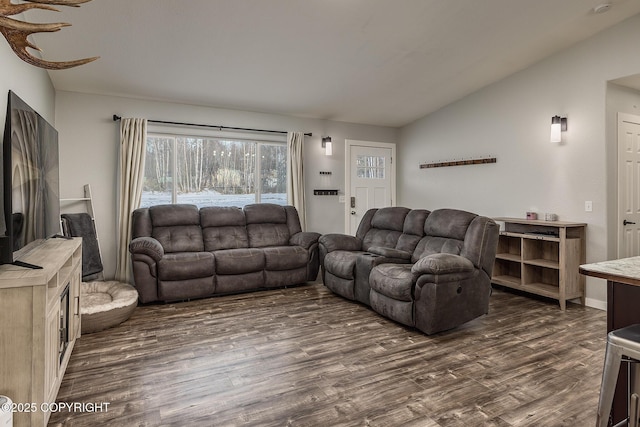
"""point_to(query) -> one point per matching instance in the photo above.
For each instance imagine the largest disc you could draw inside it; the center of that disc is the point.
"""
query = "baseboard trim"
(595, 303)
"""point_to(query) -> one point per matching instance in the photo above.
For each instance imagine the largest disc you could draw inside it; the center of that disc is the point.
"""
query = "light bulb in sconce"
(558, 125)
(327, 145)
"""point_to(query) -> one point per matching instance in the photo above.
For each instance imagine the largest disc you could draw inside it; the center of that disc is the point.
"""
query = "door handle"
(625, 222)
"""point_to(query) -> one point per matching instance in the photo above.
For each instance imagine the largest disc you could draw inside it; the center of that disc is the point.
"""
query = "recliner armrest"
(390, 252)
(147, 246)
(344, 242)
(304, 239)
(444, 267)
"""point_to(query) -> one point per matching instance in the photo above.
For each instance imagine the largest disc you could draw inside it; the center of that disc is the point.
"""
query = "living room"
(508, 119)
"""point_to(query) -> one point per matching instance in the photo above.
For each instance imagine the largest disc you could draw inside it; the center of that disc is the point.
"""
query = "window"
(371, 167)
(207, 171)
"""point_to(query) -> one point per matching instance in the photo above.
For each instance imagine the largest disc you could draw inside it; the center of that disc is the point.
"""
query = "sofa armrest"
(390, 252)
(444, 267)
(334, 242)
(147, 246)
(304, 239)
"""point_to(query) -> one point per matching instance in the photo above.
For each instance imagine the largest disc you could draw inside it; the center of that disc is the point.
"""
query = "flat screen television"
(30, 180)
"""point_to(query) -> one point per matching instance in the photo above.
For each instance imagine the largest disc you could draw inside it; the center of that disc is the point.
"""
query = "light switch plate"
(588, 206)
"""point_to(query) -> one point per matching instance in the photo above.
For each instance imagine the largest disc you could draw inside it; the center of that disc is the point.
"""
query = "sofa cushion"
(378, 237)
(239, 261)
(223, 228)
(293, 220)
(186, 265)
(177, 228)
(186, 238)
(393, 280)
(392, 227)
(265, 235)
(443, 264)
(285, 257)
(174, 215)
(449, 223)
(261, 213)
(387, 225)
(217, 238)
(445, 231)
(390, 218)
(413, 230)
(266, 225)
(430, 245)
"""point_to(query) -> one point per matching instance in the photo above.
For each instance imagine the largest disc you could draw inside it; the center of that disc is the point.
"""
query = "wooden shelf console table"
(40, 318)
(623, 300)
(541, 258)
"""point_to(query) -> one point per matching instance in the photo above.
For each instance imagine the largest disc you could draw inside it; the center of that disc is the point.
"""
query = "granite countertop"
(625, 270)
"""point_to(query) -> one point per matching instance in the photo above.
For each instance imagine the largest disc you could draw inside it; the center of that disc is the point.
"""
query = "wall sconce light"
(558, 125)
(326, 144)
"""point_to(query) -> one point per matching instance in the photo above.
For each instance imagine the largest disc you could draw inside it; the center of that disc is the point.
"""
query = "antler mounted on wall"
(16, 32)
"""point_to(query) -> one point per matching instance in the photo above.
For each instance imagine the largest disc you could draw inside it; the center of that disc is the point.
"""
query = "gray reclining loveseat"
(181, 252)
(428, 270)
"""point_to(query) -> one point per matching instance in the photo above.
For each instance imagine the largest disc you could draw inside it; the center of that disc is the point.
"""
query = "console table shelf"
(541, 258)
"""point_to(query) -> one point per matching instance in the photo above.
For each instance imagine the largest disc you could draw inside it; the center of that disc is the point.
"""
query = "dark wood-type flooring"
(305, 357)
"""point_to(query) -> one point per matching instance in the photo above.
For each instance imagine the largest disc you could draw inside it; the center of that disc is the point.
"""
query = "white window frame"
(174, 133)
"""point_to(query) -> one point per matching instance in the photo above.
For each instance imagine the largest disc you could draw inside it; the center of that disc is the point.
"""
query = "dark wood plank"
(305, 357)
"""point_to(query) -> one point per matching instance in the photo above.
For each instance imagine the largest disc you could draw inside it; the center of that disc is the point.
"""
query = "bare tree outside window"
(158, 174)
(213, 171)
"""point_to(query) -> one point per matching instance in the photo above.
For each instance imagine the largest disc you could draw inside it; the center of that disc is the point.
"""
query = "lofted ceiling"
(380, 62)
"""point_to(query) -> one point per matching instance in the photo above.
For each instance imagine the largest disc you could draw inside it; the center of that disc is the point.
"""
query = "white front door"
(371, 179)
(628, 185)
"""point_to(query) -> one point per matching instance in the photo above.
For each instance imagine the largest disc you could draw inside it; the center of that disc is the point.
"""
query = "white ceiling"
(383, 62)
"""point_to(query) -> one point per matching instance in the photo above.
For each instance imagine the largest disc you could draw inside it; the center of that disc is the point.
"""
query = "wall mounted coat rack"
(479, 161)
(325, 192)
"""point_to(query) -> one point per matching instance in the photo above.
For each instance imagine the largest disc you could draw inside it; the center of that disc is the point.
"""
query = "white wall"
(30, 83)
(89, 141)
(511, 120)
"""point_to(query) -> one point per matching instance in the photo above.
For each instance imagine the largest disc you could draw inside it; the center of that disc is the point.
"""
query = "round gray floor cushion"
(106, 304)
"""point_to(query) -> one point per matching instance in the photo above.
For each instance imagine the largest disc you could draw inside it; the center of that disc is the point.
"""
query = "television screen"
(31, 181)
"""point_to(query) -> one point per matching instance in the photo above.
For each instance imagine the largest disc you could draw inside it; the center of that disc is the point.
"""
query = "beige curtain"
(295, 175)
(133, 135)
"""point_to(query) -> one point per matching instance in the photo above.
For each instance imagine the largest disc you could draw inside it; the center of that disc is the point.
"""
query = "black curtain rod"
(116, 118)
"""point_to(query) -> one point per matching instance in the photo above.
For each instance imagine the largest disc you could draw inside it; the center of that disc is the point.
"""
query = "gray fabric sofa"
(428, 270)
(181, 252)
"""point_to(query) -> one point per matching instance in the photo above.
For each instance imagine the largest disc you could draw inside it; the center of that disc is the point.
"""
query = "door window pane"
(370, 167)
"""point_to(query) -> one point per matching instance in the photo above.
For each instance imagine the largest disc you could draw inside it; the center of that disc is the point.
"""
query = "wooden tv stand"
(34, 329)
